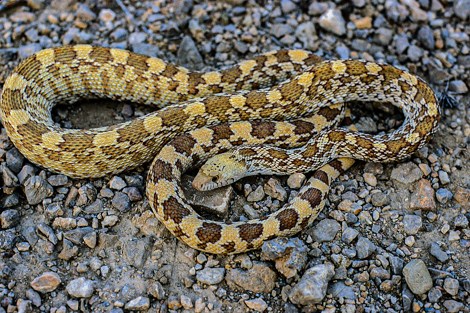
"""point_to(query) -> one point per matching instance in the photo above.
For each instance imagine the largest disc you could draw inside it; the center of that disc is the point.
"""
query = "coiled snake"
(277, 99)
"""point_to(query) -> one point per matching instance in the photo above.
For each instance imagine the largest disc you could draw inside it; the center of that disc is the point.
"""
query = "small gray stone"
(145, 49)
(426, 37)
(289, 254)
(117, 183)
(434, 295)
(333, 21)
(462, 9)
(415, 53)
(119, 34)
(28, 50)
(288, 6)
(121, 202)
(458, 86)
(84, 13)
(364, 248)
(274, 189)
(401, 43)
(340, 290)
(137, 37)
(417, 277)
(8, 239)
(37, 189)
(258, 304)
(34, 297)
(349, 234)
(188, 54)
(256, 195)
(437, 252)
(211, 275)
(405, 174)
(9, 218)
(58, 180)
(412, 224)
(313, 285)
(407, 297)
(260, 278)
(133, 193)
(325, 230)
(306, 34)
(138, 304)
(453, 306)
(10, 201)
(451, 285)
(461, 221)
(383, 36)
(444, 177)
(423, 197)
(443, 195)
(279, 30)
(380, 199)
(81, 288)
(157, 291)
(14, 160)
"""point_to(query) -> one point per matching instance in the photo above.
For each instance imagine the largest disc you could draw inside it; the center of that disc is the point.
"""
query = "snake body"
(246, 104)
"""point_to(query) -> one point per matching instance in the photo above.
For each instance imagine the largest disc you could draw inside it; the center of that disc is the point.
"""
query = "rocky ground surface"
(392, 238)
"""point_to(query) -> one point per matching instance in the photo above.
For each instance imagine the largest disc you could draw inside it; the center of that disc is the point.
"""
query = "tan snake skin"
(67, 74)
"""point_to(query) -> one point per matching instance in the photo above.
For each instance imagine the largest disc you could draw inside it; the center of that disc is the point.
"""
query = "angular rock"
(325, 230)
(365, 248)
(417, 277)
(46, 282)
(312, 286)
(289, 254)
(412, 224)
(333, 21)
(81, 288)
(259, 278)
(210, 275)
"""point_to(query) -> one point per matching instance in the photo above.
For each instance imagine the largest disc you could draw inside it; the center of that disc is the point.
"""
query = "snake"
(276, 113)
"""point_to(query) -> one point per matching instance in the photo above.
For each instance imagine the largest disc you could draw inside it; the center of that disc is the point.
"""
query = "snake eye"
(214, 179)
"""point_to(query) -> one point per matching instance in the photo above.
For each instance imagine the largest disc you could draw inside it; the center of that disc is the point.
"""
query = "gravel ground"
(393, 237)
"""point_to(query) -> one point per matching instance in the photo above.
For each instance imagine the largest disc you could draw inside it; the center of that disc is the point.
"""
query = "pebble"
(9, 218)
(325, 230)
(210, 276)
(256, 195)
(349, 234)
(426, 37)
(405, 174)
(85, 13)
(444, 177)
(332, 20)
(423, 197)
(412, 224)
(370, 179)
(289, 254)
(462, 9)
(443, 195)
(81, 288)
(260, 278)
(434, 295)
(365, 248)
(274, 189)
(417, 277)
(138, 304)
(46, 282)
(257, 304)
(296, 180)
(438, 253)
(37, 189)
(117, 183)
(189, 55)
(453, 306)
(380, 199)
(121, 202)
(451, 286)
(313, 285)
(458, 86)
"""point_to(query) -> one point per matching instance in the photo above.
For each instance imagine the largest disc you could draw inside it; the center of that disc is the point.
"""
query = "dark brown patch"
(161, 169)
(390, 73)
(287, 219)
(310, 150)
(278, 154)
(330, 113)
(184, 144)
(65, 55)
(395, 146)
(336, 136)
(263, 130)
(283, 56)
(256, 100)
(120, 70)
(173, 85)
(246, 151)
(298, 163)
(174, 210)
(221, 132)
(364, 142)
(131, 133)
(231, 75)
(355, 68)
(303, 127)
(173, 116)
(425, 126)
(170, 71)
(368, 79)
(14, 98)
(313, 196)
(209, 233)
(101, 55)
(217, 106)
(305, 221)
(250, 232)
(229, 246)
(291, 91)
(194, 81)
(178, 232)
(321, 176)
(29, 68)
(337, 165)
(138, 62)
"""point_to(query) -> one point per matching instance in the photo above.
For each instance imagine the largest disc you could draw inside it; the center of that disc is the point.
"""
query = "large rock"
(417, 277)
(312, 286)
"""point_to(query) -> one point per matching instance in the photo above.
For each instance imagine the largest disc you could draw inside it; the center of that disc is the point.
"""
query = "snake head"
(220, 170)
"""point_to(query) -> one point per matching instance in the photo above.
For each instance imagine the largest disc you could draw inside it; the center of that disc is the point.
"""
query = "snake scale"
(261, 107)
